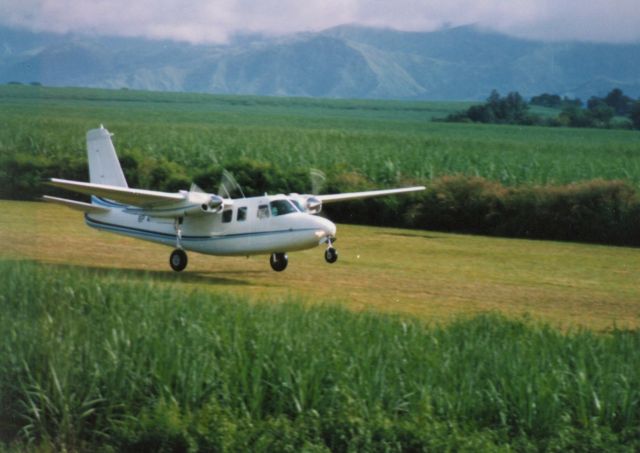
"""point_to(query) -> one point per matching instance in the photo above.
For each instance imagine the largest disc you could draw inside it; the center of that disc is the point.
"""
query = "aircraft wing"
(77, 205)
(368, 194)
(131, 197)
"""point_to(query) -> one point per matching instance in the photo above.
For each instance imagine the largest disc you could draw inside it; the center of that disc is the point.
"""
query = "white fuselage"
(253, 226)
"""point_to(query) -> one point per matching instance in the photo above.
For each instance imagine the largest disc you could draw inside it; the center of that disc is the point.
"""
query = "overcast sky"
(216, 20)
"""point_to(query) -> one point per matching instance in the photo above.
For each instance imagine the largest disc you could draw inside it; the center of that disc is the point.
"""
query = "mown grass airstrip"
(428, 275)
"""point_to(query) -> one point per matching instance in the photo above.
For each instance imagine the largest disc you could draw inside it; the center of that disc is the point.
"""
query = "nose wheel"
(279, 261)
(330, 254)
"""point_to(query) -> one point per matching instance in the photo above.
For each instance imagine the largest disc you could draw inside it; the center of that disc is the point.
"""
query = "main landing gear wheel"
(331, 255)
(279, 261)
(178, 260)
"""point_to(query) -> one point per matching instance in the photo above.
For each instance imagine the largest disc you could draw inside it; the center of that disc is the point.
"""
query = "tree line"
(598, 211)
(599, 112)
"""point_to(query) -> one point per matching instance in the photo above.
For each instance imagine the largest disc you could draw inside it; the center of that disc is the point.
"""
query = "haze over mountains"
(463, 63)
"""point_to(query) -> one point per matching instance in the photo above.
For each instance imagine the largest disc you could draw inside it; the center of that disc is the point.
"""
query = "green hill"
(463, 63)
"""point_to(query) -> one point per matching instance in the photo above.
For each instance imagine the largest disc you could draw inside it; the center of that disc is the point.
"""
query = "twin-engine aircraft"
(202, 222)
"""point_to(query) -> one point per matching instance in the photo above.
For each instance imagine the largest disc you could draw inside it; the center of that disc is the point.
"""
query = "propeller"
(208, 202)
(309, 203)
(195, 188)
(212, 203)
(318, 181)
(229, 185)
(312, 204)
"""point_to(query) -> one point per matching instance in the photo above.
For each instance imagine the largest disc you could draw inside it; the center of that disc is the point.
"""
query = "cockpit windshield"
(297, 204)
(282, 207)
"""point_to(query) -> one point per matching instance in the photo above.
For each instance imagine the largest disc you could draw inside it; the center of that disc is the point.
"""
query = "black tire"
(178, 260)
(279, 261)
(331, 255)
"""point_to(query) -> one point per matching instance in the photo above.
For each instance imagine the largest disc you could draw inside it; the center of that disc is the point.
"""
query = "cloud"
(216, 20)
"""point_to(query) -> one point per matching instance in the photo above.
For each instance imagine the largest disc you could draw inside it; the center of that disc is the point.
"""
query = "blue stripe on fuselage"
(159, 235)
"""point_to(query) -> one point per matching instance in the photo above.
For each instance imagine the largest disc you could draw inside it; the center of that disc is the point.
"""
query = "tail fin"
(104, 167)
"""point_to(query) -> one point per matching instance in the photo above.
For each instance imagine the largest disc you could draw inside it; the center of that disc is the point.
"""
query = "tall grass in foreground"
(92, 359)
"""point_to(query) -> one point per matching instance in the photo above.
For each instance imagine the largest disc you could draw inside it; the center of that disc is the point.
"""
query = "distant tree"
(481, 114)
(600, 111)
(14, 82)
(554, 101)
(593, 102)
(547, 100)
(619, 102)
(35, 84)
(493, 101)
(634, 114)
(575, 117)
(511, 109)
(567, 102)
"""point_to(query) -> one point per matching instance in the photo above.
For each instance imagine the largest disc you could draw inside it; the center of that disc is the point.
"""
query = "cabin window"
(263, 211)
(282, 207)
(242, 214)
(227, 216)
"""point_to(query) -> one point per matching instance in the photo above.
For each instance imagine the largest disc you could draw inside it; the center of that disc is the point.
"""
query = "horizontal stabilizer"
(77, 205)
(131, 197)
(368, 194)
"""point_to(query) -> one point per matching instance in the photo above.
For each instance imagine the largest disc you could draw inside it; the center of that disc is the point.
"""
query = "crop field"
(385, 140)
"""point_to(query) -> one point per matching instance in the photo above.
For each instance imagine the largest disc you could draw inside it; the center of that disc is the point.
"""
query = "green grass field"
(428, 275)
(384, 140)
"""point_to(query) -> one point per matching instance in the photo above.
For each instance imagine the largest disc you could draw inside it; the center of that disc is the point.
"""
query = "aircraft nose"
(327, 227)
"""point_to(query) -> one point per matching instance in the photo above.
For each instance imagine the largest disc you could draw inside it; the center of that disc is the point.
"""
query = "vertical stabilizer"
(104, 167)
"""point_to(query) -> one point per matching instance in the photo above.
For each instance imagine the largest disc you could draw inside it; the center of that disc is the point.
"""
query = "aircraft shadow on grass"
(231, 278)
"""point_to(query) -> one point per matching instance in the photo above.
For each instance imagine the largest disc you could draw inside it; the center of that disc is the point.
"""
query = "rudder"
(104, 167)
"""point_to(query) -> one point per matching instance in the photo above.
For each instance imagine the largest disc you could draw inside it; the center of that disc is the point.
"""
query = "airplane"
(202, 222)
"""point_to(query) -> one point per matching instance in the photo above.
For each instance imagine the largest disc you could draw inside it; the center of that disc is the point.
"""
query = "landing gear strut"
(177, 225)
(331, 254)
(279, 261)
(178, 259)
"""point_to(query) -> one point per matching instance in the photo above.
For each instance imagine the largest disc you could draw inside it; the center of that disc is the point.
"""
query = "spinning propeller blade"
(318, 180)
(229, 185)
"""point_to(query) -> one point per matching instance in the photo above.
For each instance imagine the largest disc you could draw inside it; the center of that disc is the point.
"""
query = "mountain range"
(461, 63)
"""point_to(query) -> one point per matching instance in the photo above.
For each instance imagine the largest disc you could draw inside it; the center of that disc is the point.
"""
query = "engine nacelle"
(200, 203)
(214, 205)
(308, 203)
(313, 205)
